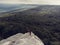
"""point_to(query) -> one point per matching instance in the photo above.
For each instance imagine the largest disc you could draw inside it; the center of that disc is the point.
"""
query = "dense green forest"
(44, 21)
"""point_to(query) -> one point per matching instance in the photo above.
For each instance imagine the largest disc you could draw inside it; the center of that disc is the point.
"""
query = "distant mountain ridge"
(10, 7)
(42, 9)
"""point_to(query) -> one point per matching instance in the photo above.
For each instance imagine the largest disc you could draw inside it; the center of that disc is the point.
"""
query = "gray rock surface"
(22, 39)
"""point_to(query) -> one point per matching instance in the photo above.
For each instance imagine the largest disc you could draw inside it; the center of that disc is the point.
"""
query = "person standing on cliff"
(28, 30)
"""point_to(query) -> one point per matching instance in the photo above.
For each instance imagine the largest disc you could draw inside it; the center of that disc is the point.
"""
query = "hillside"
(44, 21)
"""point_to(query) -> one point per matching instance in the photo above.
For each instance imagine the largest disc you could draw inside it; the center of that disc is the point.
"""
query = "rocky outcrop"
(22, 39)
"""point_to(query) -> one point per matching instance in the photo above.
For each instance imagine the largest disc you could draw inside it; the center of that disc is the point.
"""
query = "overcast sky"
(49, 2)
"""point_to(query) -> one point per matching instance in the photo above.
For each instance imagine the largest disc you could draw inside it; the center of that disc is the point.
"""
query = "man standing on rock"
(28, 30)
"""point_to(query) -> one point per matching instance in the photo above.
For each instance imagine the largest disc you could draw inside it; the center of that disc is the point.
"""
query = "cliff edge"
(22, 39)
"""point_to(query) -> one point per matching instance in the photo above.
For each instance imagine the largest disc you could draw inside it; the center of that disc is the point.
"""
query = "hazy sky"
(50, 2)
